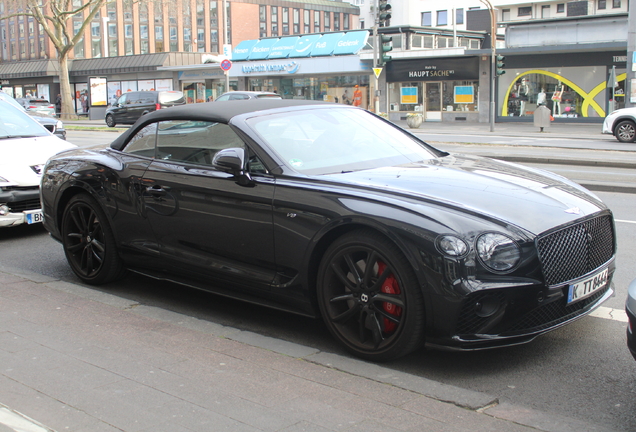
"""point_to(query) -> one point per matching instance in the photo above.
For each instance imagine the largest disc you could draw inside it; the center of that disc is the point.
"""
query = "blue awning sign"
(242, 50)
(261, 50)
(304, 45)
(326, 44)
(351, 43)
(283, 48)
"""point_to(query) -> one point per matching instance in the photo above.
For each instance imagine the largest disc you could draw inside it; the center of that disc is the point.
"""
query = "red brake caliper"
(390, 286)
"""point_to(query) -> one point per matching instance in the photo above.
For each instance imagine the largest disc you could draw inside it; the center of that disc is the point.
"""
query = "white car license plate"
(34, 216)
(588, 286)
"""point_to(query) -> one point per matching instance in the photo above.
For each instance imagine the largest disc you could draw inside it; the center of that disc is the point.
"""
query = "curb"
(475, 401)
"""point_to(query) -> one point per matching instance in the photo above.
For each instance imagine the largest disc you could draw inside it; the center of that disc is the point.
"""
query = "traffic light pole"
(493, 59)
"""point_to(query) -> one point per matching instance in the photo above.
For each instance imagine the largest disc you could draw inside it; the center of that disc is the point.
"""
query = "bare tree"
(56, 18)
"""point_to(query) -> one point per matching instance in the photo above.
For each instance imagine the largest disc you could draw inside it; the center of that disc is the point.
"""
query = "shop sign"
(433, 69)
(290, 68)
(4, 82)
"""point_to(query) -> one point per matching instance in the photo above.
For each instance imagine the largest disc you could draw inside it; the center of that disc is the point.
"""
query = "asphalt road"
(581, 371)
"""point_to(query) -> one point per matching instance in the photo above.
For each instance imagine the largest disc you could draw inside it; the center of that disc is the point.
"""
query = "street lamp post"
(493, 57)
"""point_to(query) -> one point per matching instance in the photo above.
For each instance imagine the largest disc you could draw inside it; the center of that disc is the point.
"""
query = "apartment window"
(345, 21)
(616, 4)
(21, 27)
(327, 23)
(505, 14)
(228, 22)
(128, 31)
(95, 29)
(524, 11)
(459, 16)
(296, 21)
(200, 14)
(442, 18)
(143, 12)
(158, 12)
(285, 20)
(143, 30)
(174, 42)
(214, 14)
(127, 11)
(262, 18)
(561, 8)
(159, 33)
(426, 19)
(214, 40)
(128, 47)
(336, 21)
(201, 39)
(306, 21)
(274, 18)
(602, 4)
(316, 22)
(79, 47)
(113, 50)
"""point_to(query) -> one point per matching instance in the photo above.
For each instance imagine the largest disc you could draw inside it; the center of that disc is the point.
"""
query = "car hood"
(19, 155)
(529, 198)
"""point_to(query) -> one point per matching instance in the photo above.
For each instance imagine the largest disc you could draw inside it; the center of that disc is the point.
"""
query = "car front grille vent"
(576, 250)
(20, 206)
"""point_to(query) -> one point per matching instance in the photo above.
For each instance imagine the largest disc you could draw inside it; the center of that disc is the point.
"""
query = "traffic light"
(499, 62)
(385, 47)
(384, 13)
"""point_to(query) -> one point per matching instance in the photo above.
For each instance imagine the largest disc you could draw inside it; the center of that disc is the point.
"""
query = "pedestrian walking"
(58, 105)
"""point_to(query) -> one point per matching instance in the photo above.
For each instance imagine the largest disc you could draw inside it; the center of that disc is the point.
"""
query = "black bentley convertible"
(329, 210)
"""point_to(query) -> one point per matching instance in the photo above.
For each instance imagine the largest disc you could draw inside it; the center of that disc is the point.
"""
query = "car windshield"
(17, 124)
(334, 140)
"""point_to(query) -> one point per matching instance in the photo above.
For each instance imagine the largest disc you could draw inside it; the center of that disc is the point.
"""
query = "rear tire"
(370, 298)
(625, 131)
(110, 121)
(88, 242)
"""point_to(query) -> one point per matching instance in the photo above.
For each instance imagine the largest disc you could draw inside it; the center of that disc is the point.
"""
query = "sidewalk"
(80, 360)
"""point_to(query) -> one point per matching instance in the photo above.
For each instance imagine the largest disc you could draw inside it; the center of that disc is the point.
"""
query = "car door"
(207, 222)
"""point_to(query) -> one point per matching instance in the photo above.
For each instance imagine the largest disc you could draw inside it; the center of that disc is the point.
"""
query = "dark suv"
(132, 105)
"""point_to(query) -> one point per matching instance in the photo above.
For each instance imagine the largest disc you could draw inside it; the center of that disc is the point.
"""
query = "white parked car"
(622, 124)
(25, 146)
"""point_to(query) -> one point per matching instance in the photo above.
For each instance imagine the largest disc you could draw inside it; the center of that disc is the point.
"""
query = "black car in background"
(329, 210)
(132, 105)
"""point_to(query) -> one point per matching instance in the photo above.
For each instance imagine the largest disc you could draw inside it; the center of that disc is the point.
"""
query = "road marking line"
(625, 221)
(610, 313)
(19, 422)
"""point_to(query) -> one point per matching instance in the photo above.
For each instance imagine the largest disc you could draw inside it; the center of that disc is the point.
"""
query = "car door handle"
(156, 191)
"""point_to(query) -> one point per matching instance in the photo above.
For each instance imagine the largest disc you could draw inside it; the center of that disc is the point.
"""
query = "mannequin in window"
(524, 92)
(541, 98)
(556, 98)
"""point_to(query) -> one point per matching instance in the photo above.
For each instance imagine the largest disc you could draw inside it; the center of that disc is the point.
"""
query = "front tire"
(110, 121)
(89, 243)
(625, 131)
(369, 297)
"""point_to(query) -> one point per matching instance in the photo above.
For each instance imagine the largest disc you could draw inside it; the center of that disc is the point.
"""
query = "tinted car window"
(143, 143)
(194, 141)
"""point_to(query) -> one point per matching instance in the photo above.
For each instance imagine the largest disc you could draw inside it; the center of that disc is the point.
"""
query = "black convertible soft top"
(220, 112)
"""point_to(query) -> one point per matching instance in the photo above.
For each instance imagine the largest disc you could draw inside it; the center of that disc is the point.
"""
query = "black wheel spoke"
(347, 315)
(353, 268)
(385, 274)
(373, 324)
(390, 317)
(345, 297)
(343, 277)
(395, 299)
(369, 270)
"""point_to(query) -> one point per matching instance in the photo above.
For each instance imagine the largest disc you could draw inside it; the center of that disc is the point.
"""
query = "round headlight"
(452, 246)
(498, 252)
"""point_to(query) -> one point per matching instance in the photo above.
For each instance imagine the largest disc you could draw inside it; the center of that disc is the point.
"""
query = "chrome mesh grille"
(576, 250)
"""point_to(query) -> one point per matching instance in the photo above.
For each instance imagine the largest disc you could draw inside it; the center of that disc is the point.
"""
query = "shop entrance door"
(433, 101)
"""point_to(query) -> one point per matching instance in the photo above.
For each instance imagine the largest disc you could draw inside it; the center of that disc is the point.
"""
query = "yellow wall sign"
(408, 95)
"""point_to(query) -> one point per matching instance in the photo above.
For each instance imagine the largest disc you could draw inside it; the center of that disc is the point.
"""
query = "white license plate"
(588, 286)
(34, 216)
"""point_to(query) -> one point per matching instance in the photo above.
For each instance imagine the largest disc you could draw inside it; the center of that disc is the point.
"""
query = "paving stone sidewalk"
(80, 360)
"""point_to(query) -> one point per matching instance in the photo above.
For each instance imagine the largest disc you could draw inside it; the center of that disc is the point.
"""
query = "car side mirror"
(232, 160)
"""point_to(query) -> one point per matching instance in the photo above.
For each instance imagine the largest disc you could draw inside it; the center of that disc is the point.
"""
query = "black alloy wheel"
(369, 297)
(625, 131)
(88, 242)
(110, 121)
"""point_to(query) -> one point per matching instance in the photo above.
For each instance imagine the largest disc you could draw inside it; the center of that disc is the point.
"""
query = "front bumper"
(24, 206)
